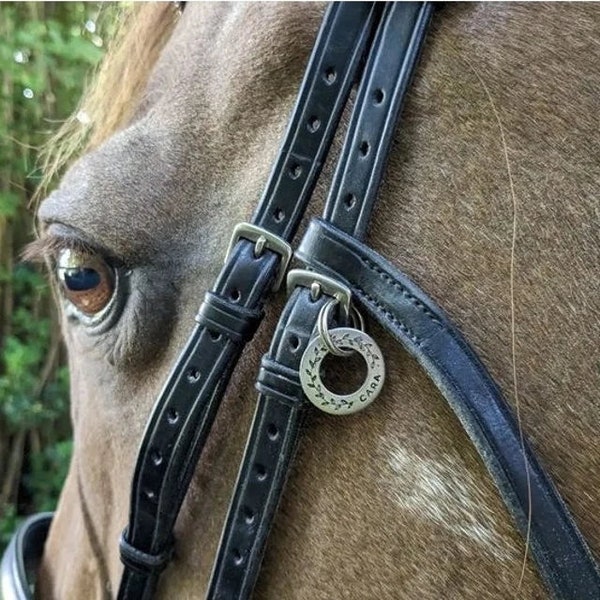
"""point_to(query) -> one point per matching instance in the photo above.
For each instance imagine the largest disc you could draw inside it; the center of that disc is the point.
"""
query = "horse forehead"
(224, 45)
(120, 192)
(210, 125)
(180, 163)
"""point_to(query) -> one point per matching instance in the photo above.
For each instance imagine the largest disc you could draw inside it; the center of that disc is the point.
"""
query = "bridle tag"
(340, 341)
(346, 338)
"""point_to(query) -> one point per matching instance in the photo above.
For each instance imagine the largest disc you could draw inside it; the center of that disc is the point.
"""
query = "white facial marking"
(445, 493)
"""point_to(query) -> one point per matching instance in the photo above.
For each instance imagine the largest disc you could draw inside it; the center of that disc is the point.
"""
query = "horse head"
(489, 202)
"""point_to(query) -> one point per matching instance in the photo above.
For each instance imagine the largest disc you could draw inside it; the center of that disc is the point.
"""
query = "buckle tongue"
(262, 239)
(321, 284)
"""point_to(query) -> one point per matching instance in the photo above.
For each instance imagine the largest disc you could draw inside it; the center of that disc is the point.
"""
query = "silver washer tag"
(310, 372)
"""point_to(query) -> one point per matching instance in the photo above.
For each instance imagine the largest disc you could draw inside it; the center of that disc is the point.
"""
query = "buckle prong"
(315, 291)
(262, 239)
(259, 246)
(321, 284)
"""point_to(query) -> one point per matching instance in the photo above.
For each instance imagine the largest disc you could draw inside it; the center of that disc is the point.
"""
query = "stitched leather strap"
(267, 457)
(379, 101)
(182, 417)
(271, 446)
(559, 549)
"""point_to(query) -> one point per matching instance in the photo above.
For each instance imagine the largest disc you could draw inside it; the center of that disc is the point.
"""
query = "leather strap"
(565, 561)
(558, 547)
(271, 445)
(281, 402)
(185, 410)
(22, 557)
(378, 104)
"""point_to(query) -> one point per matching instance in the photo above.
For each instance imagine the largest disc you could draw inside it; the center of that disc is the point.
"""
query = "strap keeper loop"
(144, 562)
(280, 382)
(232, 320)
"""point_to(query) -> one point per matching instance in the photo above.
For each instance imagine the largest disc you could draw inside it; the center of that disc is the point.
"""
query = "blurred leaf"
(48, 472)
(9, 202)
(8, 523)
(44, 47)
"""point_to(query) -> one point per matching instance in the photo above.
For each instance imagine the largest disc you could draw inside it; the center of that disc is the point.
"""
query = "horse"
(489, 203)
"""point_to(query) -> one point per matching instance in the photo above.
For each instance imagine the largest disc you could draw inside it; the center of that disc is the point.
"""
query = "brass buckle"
(320, 284)
(263, 239)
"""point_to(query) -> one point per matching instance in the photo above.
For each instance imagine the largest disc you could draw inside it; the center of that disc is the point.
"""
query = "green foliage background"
(46, 53)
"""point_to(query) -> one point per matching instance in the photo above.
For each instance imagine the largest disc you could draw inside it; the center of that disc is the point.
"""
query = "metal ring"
(357, 319)
(323, 328)
(312, 382)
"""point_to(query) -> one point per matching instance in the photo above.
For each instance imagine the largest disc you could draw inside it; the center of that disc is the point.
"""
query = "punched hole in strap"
(144, 562)
(294, 342)
(272, 432)
(378, 96)
(313, 124)
(330, 75)
(349, 201)
(260, 471)
(249, 515)
(295, 170)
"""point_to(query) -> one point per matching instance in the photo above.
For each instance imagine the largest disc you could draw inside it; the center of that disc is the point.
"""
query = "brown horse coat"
(490, 204)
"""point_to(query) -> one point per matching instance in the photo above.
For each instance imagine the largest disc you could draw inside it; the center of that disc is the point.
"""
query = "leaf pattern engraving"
(318, 393)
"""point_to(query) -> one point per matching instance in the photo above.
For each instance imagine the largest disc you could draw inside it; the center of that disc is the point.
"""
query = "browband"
(393, 34)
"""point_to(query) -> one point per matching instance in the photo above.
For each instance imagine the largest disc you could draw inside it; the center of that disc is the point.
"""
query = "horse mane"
(111, 96)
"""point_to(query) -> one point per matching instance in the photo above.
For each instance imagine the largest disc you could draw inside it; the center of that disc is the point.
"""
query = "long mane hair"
(142, 30)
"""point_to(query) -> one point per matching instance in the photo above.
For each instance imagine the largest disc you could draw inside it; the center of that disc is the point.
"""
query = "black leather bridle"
(377, 45)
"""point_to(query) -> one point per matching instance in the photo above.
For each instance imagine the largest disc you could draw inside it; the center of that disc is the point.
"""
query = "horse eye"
(87, 281)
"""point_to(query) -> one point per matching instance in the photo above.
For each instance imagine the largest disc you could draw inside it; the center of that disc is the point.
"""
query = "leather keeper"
(278, 381)
(232, 320)
(143, 562)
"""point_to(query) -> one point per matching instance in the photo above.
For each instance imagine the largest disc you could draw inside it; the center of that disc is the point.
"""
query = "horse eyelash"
(46, 247)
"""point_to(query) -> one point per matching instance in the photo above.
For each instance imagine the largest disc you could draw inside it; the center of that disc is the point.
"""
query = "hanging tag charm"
(341, 341)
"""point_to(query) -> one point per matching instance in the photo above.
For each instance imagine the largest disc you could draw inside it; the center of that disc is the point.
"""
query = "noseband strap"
(22, 557)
